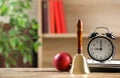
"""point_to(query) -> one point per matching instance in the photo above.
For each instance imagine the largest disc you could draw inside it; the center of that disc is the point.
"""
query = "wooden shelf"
(70, 35)
(93, 14)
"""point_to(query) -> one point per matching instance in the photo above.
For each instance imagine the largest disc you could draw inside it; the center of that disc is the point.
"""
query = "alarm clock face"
(100, 48)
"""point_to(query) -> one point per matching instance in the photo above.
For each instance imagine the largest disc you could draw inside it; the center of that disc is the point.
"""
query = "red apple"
(62, 61)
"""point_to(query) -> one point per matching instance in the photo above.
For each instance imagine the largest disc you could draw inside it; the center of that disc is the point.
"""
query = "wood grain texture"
(39, 13)
(49, 73)
(93, 13)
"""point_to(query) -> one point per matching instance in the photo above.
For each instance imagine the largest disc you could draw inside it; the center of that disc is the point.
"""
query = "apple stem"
(79, 36)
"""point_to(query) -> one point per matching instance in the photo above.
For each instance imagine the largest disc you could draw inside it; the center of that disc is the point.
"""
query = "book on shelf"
(44, 16)
(57, 17)
(62, 16)
(53, 16)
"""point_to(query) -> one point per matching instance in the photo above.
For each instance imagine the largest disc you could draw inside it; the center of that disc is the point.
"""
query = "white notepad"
(106, 64)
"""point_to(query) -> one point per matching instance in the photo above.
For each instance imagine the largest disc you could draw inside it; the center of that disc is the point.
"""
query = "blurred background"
(93, 13)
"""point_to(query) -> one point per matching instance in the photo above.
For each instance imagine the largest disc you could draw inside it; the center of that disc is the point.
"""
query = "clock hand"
(100, 44)
(97, 49)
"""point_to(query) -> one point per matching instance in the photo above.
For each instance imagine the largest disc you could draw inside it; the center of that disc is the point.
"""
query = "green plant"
(21, 36)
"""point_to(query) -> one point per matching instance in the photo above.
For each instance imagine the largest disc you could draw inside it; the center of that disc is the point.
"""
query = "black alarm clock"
(100, 47)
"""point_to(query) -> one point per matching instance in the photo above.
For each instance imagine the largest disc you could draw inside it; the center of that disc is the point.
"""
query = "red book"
(51, 16)
(57, 17)
(62, 17)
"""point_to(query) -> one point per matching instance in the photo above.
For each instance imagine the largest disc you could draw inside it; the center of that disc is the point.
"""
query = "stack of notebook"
(106, 64)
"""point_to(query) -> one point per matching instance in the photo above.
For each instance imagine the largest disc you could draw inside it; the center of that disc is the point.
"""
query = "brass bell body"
(79, 65)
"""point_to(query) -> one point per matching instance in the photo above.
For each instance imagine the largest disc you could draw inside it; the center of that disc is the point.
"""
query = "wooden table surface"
(50, 73)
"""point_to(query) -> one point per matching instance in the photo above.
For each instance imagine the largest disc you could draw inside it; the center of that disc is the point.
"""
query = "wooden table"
(49, 73)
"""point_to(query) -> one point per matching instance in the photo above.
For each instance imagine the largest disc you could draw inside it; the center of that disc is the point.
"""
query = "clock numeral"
(96, 56)
(93, 52)
(105, 56)
(91, 48)
(97, 41)
(100, 57)
(93, 44)
(109, 53)
(104, 41)
(108, 45)
(110, 49)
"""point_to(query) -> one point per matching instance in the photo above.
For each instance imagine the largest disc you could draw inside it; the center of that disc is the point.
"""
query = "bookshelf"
(39, 15)
(69, 35)
(93, 13)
